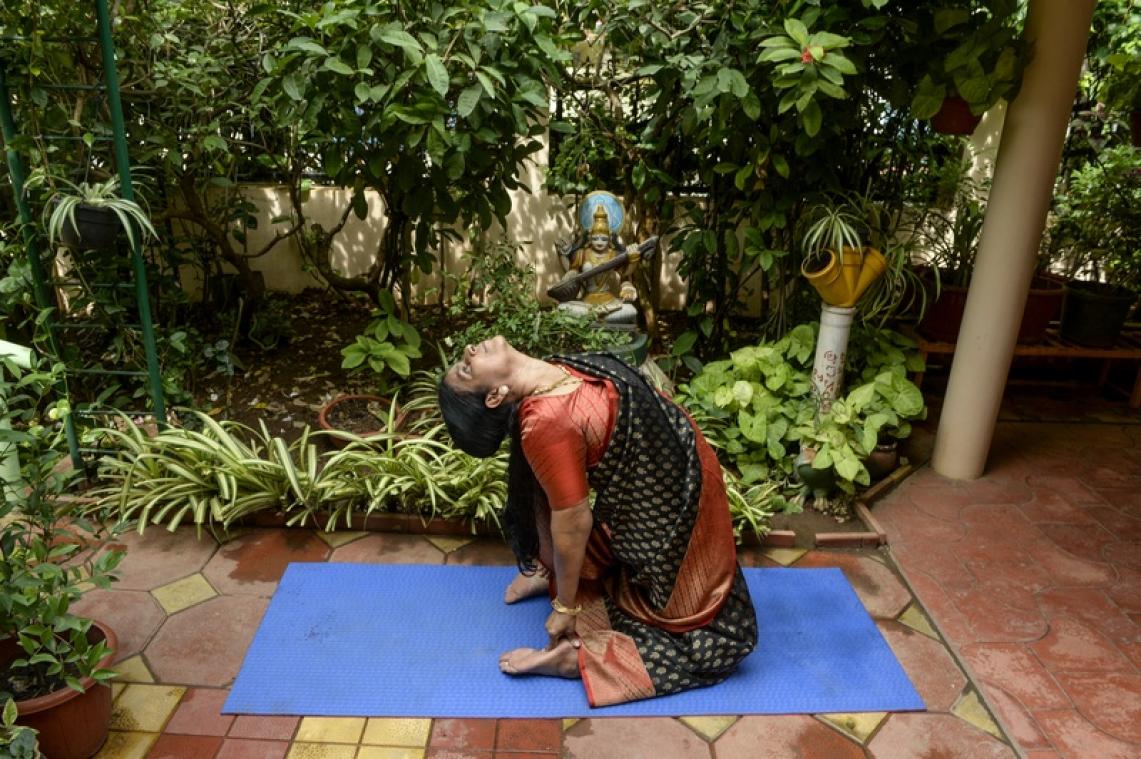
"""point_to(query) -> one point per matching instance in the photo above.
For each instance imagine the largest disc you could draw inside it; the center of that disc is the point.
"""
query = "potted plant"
(55, 665)
(970, 58)
(949, 241)
(1097, 229)
(90, 215)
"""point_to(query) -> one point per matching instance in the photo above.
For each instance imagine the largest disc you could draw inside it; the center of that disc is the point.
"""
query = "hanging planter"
(955, 117)
(91, 228)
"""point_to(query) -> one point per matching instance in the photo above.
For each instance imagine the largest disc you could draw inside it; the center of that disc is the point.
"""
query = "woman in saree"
(647, 597)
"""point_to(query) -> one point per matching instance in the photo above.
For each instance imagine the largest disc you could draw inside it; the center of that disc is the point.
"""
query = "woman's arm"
(570, 530)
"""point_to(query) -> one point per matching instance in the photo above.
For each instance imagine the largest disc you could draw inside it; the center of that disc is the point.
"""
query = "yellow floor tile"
(969, 708)
(569, 723)
(127, 745)
(390, 752)
(331, 729)
(116, 689)
(339, 538)
(397, 732)
(784, 556)
(145, 707)
(133, 670)
(321, 751)
(858, 725)
(184, 593)
(447, 544)
(709, 728)
(916, 620)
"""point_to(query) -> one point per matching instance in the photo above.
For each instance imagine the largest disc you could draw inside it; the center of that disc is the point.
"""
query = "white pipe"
(831, 349)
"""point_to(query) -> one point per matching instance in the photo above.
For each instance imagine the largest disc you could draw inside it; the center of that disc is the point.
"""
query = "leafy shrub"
(758, 409)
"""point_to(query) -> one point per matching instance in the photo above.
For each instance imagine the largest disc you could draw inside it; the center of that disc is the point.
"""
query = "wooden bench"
(1127, 348)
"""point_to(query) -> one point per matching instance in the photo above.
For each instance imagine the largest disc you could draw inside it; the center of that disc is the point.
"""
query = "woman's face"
(600, 242)
(483, 366)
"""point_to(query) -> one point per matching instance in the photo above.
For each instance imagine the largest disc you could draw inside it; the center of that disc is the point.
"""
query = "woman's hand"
(562, 626)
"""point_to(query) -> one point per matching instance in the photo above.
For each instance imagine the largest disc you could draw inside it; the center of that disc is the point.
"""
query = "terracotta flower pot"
(955, 117)
(883, 460)
(328, 412)
(1043, 305)
(71, 725)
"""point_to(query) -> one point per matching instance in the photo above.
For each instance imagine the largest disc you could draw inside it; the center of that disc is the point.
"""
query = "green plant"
(832, 226)
(949, 237)
(757, 408)
(42, 567)
(16, 741)
(977, 51)
(387, 345)
(67, 197)
(1121, 89)
(209, 477)
(752, 506)
(808, 65)
(1096, 227)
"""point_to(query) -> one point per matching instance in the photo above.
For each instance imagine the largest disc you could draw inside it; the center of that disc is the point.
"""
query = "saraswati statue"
(597, 283)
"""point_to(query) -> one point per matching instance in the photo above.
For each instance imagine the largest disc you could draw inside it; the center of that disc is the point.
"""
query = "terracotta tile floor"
(1020, 597)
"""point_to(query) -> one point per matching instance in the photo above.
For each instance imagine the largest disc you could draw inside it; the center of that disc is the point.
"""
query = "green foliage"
(949, 237)
(41, 569)
(496, 296)
(758, 409)
(16, 741)
(1096, 227)
(970, 48)
(387, 345)
(67, 197)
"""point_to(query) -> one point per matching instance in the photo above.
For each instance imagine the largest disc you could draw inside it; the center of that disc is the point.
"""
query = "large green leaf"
(468, 100)
(437, 74)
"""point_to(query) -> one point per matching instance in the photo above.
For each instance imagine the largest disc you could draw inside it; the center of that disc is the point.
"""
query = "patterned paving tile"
(1072, 646)
(331, 729)
(483, 552)
(389, 548)
(914, 618)
(268, 728)
(539, 735)
(1019, 673)
(200, 713)
(646, 737)
(929, 665)
(205, 644)
(145, 708)
(390, 752)
(184, 593)
(133, 670)
(1073, 735)
(447, 544)
(1110, 700)
(397, 732)
(127, 745)
(185, 747)
(244, 748)
(970, 708)
(158, 557)
(253, 564)
(339, 538)
(858, 726)
(934, 735)
(321, 751)
(1018, 722)
(784, 556)
(881, 592)
(463, 734)
(133, 614)
(783, 736)
(709, 728)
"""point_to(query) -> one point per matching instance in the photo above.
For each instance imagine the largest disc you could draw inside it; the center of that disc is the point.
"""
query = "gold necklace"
(566, 378)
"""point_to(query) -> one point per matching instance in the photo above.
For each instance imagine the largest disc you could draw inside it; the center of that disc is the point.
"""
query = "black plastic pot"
(95, 228)
(1093, 313)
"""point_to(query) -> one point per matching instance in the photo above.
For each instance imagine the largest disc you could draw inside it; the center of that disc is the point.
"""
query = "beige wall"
(537, 221)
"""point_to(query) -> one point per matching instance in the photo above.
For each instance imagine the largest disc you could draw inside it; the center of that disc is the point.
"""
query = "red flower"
(806, 56)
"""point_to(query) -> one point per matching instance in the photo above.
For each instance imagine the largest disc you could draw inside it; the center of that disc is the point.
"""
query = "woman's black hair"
(479, 431)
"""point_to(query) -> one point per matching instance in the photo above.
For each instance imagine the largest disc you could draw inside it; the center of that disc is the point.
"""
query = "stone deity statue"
(607, 296)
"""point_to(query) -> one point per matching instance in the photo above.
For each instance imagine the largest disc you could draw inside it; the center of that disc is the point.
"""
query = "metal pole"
(123, 163)
(39, 277)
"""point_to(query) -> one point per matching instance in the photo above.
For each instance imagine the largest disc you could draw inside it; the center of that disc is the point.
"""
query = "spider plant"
(211, 477)
(68, 197)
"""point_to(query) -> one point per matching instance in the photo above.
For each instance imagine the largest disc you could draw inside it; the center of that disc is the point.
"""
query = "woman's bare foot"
(526, 586)
(561, 661)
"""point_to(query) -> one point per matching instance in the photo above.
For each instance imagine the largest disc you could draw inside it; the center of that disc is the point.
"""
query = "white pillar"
(1027, 163)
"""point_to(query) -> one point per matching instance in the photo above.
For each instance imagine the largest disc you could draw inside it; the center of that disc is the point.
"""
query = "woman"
(646, 593)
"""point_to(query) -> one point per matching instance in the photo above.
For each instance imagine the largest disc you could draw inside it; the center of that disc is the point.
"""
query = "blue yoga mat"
(407, 640)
